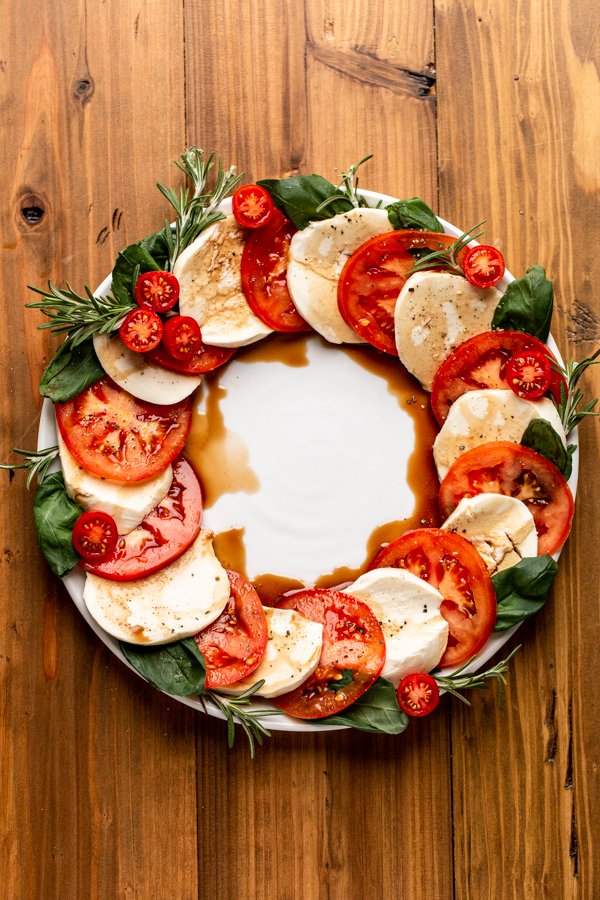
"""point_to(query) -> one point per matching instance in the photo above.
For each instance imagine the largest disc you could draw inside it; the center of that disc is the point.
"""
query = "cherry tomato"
(418, 694)
(502, 467)
(95, 535)
(162, 536)
(451, 564)
(373, 277)
(351, 660)
(115, 436)
(264, 270)
(483, 266)
(158, 291)
(181, 337)
(141, 330)
(205, 359)
(252, 206)
(529, 374)
(235, 644)
(480, 362)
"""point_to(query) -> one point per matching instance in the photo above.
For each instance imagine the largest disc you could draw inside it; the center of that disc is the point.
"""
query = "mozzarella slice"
(317, 257)
(292, 654)
(175, 602)
(501, 528)
(479, 417)
(434, 313)
(408, 610)
(142, 379)
(128, 504)
(210, 283)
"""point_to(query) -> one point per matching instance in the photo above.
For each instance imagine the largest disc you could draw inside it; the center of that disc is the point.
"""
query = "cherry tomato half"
(205, 359)
(252, 206)
(529, 374)
(158, 291)
(141, 330)
(95, 535)
(181, 337)
(483, 266)
(418, 694)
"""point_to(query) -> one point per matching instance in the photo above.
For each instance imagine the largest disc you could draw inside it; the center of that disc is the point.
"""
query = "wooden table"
(486, 110)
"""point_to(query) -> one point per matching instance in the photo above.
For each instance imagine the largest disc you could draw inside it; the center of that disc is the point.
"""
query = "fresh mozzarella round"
(175, 602)
(501, 528)
(144, 380)
(408, 610)
(128, 504)
(292, 654)
(435, 312)
(479, 417)
(317, 257)
(210, 284)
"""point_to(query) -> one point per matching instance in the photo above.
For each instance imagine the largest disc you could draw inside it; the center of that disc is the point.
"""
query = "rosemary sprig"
(571, 395)
(37, 461)
(457, 682)
(234, 712)
(348, 186)
(76, 316)
(446, 258)
(195, 206)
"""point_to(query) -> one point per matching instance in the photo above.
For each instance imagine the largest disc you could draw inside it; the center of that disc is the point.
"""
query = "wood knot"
(32, 208)
(83, 89)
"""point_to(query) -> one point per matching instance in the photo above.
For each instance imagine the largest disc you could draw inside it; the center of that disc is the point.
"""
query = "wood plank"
(516, 128)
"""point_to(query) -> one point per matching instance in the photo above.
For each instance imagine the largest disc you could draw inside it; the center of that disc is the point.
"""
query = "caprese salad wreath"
(296, 254)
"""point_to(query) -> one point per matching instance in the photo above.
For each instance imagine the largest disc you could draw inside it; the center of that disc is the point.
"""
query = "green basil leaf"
(70, 371)
(377, 711)
(130, 264)
(522, 590)
(54, 514)
(541, 437)
(176, 668)
(527, 305)
(413, 213)
(300, 196)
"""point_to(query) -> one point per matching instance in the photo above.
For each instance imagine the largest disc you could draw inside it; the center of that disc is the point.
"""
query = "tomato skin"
(483, 266)
(158, 291)
(264, 270)
(353, 643)
(115, 436)
(234, 645)
(205, 359)
(418, 694)
(141, 330)
(450, 563)
(480, 362)
(374, 275)
(181, 337)
(502, 467)
(95, 535)
(162, 537)
(529, 374)
(252, 206)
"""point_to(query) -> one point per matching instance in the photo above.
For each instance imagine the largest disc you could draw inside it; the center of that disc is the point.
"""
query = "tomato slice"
(141, 330)
(95, 534)
(418, 694)
(264, 275)
(529, 374)
(373, 277)
(483, 266)
(351, 660)
(115, 436)
(157, 290)
(452, 565)
(162, 536)
(205, 359)
(502, 467)
(480, 362)
(181, 337)
(235, 644)
(252, 206)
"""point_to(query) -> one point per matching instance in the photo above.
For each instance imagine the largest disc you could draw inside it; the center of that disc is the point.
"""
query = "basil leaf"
(300, 196)
(377, 711)
(130, 264)
(176, 668)
(541, 437)
(413, 213)
(527, 305)
(522, 590)
(70, 371)
(54, 514)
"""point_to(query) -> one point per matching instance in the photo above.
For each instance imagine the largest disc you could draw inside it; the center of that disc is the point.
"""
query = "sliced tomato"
(141, 330)
(480, 362)
(351, 660)
(373, 277)
(529, 374)
(418, 694)
(483, 266)
(181, 337)
(163, 535)
(502, 467)
(264, 275)
(235, 644)
(95, 534)
(157, 290)
(115, 436)
(205, 359)
(452, 565)
(252, 206)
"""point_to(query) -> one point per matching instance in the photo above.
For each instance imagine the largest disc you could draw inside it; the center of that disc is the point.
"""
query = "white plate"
(273, 525)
